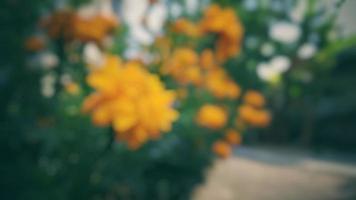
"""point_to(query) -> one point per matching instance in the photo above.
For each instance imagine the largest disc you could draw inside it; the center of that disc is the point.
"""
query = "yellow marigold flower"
(127, 96)
(183, 66)
(226, 24)
(220, 85)
(254, 98)
(207, 59)
(211, 116)
(253, 116)
(34, 44)
(222, 149)
(68, 25)
(233, 137)
(187, 67)
(72, 88)
(186, 27)
(226, 48)
(212, 20)
(94, 28)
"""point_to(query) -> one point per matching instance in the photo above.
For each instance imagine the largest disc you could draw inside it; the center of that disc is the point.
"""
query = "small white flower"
(87, 11)
(175, 10)
(48, 79)
(267, 49)
(156, 17)
(285, 32)
(272, 70)
(133, 11)
(141, 35)
(266, 72)
(96, 7)
(48, 60)
(47, 91)
(191, 6)
(47, 85)
(280, 63)
(132, 52)
(298, 13)
(92, 55)
(306, 51)
(106, 8)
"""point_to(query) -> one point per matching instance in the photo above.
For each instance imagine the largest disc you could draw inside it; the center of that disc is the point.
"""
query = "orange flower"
(94, 28)
(211, 116)
(34, 44)
(253, 116)
(183, 66)
(186, 27)
(212, 20)
(187, 67)
(254, 98)
(207, 59)
(72, 88)
(68, 25)
(222, 149)
(226, 48)
(226, 24)
(233, 137)
(220, 85)
(59, 24)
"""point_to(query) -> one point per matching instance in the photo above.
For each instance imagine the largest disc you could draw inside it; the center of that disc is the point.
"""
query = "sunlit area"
(178, 99)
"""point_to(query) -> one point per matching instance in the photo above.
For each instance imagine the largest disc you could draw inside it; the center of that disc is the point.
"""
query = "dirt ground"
(280, 174)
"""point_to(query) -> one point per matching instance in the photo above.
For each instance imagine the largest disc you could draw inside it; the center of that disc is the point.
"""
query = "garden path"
(280, 174)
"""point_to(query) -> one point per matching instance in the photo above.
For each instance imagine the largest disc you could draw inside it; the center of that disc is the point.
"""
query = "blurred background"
(300, 55)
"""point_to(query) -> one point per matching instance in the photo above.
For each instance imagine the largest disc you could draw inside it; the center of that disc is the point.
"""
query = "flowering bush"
(183, 90)
(135, 108)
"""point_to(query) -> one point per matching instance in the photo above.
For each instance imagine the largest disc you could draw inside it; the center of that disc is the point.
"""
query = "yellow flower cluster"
(212, 116)
(183, 66)
(94, 28)
(252, 112)
(220, 85)
(186, 27)
(254, 98)
(187, 67)
(233, 137)
(134, 101)
(227, 26)
(72, 88)
(223, 148)
(68, 25)
(222, 22)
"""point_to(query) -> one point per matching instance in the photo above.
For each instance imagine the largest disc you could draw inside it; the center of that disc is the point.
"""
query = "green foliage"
(49, 150)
